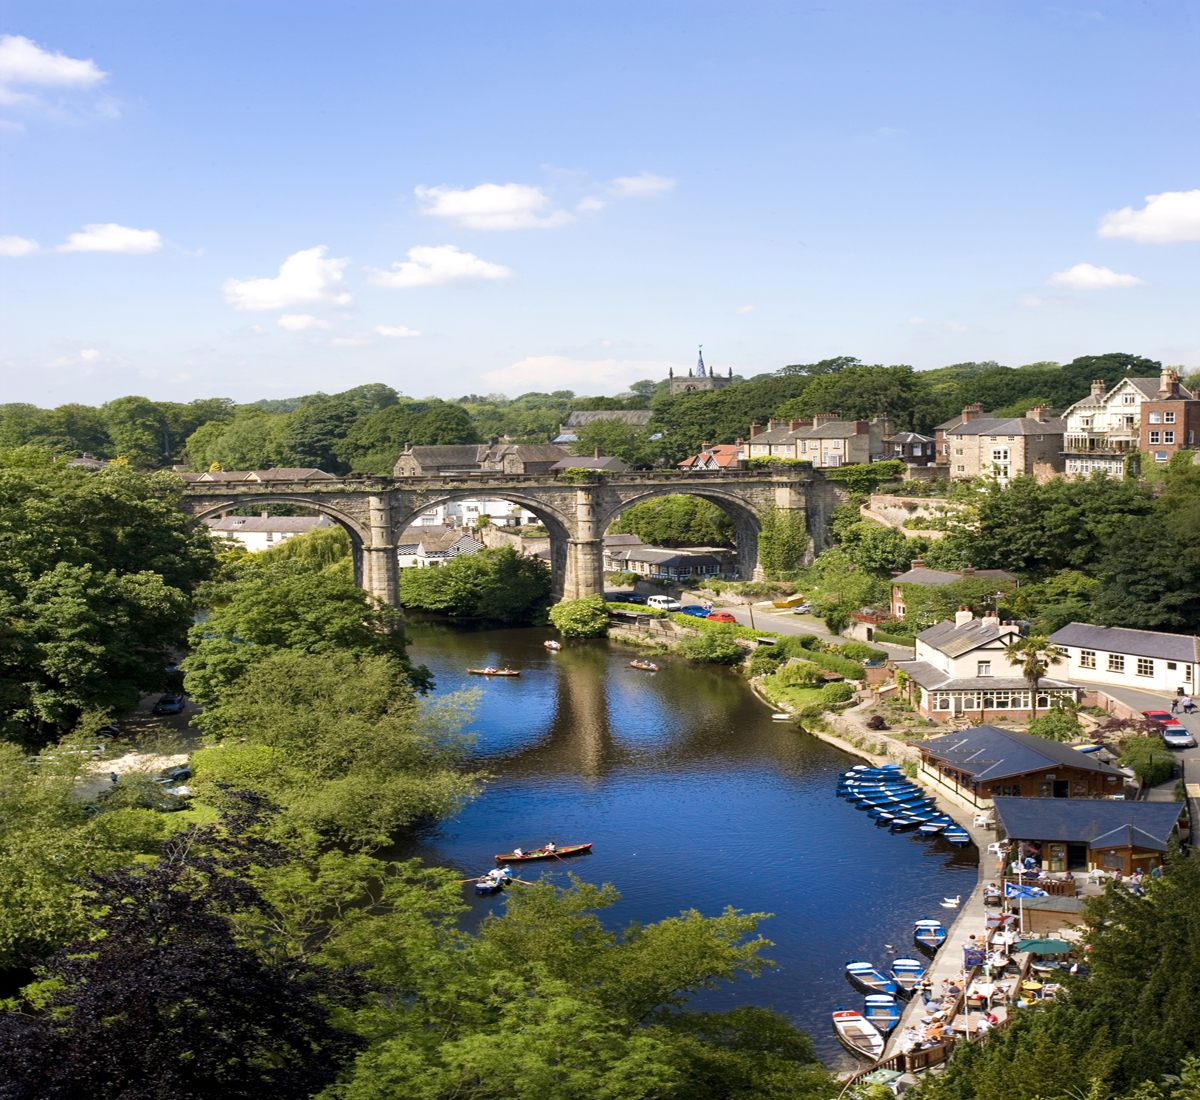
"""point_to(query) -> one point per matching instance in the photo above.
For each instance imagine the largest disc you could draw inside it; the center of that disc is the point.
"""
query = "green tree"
(311, 436)
(586, 617)
(718, 646)
(497, 583)
(73, 429)
(782, 542)
(138, 430)
(246, 443)
(926, 604)
(343, 746)
(1057, 724)
(19, 424)
(859, 392)
(883, 550)
(629, 442)
(1035, 654)
(676, 521)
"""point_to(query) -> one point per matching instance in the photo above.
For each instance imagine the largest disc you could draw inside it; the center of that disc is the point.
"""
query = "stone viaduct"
(374, 511)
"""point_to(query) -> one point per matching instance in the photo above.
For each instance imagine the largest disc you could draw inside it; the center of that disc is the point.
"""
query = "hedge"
(794, 645)
(894, 639)
(639, 608)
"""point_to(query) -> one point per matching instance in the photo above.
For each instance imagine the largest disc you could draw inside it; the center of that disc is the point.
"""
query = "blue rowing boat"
(929, 934)
(882, 1011)
(866, 976)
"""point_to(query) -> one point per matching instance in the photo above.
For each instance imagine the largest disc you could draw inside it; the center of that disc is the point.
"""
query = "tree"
(717, 646)
(277, 606)
(859, 392)
(95, 585)
(497, 583)
(1057, 724)
(676, 521)
(881, 549)
(782, 542)
(138, 431)
(629, 442)
(1035, 654)
(586, 617)
(310, 437)
(160, 999)
(343, 745)
(73, 429)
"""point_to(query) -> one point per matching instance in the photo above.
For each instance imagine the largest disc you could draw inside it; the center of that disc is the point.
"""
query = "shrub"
(876, 722)
(800, 674)
(766, 660)
(839, 692)
(583, 618)
(1056, 724)
(1150, 760)
(860, 651)
(714, 646)
(801, 642)
(890, 638)
(623, 580)
(639, 608)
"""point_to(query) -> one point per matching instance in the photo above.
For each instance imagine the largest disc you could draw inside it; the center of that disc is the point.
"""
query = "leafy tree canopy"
(586, 617)
(497, 583)
(676, 521)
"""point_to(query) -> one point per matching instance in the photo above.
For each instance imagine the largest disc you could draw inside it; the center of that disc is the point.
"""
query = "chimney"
(793, 425)
(265, 513)
(918, 562)
(1168, 383)
(706, 446)
(754, 429)
(740, 441)
(597, 452)
(772, 424)
(1097, 388)
(972, 412)
(862, 427)
(963, 616)
(1040, 413)
(826, 418)
(886, 425)
(990, 619)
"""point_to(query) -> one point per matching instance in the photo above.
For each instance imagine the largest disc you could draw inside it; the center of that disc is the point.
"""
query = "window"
(1085, 422)
(1087, 658)
(836, 444)
(1160, 456)
(1187, 672)
(1006, 790)
(945, 448)
(803, 445)
(1191, 438)
(1168, 437)
(958, 438)
(999, 454)
(1128, 399)
(1145, 667)
(1155, 437)
(1039, 438)
(1154, 418)
(1168, 418)
(984, 668)
(958, 450)
(992, 438)
(1012, 438)
(1171, 666)
(1116, 662)
(960, 469)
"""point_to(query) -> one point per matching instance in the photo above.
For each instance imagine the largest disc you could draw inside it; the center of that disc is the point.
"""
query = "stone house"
(1170, 421)
(826, 440)
(723, 456)
(973, 766)
(976, 444)
(961, 671)
(1117, 657)
(469, 458)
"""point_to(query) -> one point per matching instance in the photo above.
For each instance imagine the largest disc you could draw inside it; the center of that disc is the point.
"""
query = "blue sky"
(259, 199)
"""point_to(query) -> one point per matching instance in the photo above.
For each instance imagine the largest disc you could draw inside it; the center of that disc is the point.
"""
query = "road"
(795, 624)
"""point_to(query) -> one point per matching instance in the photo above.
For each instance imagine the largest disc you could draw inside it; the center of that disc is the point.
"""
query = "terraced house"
(826, 440)
(975, 444)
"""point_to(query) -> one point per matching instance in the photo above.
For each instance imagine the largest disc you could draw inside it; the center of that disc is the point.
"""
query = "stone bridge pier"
(374, 511)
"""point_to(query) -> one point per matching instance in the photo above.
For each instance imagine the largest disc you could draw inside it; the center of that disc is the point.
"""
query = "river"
(694, 798)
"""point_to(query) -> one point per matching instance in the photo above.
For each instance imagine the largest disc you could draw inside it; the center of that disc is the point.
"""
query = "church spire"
(700, 363)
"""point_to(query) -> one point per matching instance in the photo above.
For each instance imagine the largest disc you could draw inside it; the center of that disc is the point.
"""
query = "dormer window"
(1129, 399)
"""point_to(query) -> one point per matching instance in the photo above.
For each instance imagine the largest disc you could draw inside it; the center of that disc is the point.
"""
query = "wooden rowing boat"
(907, 973)
(858, 1034)
(882, 1011)
(869, 978)
(545, 853)
(644, 665)
(495, 671)
(552, 645)
(929, 935)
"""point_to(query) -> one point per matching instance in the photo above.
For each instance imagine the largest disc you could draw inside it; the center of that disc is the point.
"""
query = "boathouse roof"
(989, 752)
(1096, 822)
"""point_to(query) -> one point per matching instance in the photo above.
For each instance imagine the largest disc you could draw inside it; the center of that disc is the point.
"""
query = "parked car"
(631, 597)
(695, 610)
(175, 775)
(803, 609)
(1158, 715)
(721, 617)
(1176, 737)
(663, 603)
(168, 704)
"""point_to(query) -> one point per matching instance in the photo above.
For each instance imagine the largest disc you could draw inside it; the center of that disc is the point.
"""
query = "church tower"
(701, 379)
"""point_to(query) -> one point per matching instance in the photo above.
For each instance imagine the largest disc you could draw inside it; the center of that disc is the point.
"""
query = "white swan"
(951, 903)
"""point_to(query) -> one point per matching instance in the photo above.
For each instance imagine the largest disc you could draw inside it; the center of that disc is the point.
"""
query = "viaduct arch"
(374, 511)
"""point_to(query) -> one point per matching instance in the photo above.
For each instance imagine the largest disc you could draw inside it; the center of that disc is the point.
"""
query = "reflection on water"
(693, 798)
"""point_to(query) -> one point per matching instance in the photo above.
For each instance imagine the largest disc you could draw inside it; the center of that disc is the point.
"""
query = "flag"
(1020, 890)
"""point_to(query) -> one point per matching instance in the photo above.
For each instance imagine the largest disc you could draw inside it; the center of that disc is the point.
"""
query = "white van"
(663, 603)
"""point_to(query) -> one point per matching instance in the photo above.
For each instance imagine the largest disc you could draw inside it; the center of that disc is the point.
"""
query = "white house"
(465, 513)
(426, 547)
(1117, 657)
(961, 670)
(262, 532)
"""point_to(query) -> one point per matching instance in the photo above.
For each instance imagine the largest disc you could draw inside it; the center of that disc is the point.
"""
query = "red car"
(721, 617)
(1158, 715)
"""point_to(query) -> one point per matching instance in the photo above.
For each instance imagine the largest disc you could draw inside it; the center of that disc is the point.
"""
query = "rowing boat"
(869, 978)
(882, 1011)
(545, 853)
(858, 1034)
(644, 665)
(907, 973)
(929, 934)
(552, 645)
(495, 671)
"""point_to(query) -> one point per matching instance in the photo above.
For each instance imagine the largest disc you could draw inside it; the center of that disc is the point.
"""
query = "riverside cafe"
(1090, 835)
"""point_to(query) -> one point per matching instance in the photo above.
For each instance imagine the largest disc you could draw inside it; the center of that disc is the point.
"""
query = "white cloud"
(747, 309)
(299, 322)
(1166, 218)
(303, 277)
(590, 205)
(557, 372)
(110, 237)
(493, 206)
(436, 265)
(396, 331)
(645, 184)
(18, 246)
(1090, 277)
(89, 355)
(23, 62)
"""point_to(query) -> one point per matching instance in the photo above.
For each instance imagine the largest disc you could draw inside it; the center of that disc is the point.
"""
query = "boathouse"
(973, 766)
(1086, 835)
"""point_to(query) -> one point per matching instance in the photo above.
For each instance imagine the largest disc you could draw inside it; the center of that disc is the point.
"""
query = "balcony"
(1117, 442)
